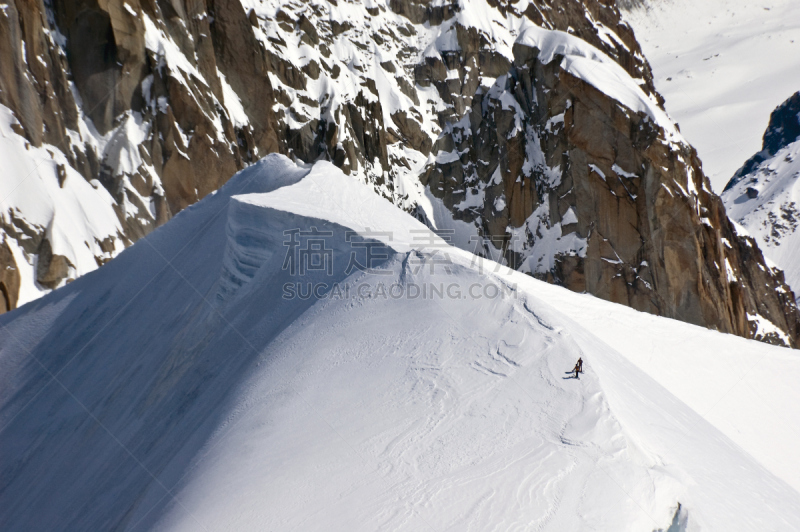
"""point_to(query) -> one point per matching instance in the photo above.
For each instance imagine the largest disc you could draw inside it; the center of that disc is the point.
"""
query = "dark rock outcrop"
(782, 130)
(51, 268)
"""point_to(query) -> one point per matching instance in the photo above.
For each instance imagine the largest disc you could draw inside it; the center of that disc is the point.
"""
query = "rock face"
(581, 191)
(783, 129)
(529, 132)
(764, 194)
(132, 96)
(9, 280)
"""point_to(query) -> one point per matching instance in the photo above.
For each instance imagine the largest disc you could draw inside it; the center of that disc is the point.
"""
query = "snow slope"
(177, 388)
(722, 66)
(746, 389)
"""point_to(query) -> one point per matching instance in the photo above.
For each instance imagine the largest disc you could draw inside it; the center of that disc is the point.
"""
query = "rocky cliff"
(764, 194)
(526, 131)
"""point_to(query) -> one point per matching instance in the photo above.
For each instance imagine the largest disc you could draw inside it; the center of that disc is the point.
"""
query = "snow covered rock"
(763, 196)
(599, 192)
(107, 94)
(134, 399)
(527, 132)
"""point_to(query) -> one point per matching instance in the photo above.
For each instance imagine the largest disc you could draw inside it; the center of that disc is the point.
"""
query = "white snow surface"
(178, 389)
(233, 103)
(722, 66)
(772, 217)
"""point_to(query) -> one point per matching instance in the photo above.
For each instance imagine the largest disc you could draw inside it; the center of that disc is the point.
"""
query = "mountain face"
(527, 132)
(177, 388)
(698, 59)
(764, 194)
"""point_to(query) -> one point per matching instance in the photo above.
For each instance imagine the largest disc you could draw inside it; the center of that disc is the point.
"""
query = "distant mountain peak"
(764, 195)
(783, 129)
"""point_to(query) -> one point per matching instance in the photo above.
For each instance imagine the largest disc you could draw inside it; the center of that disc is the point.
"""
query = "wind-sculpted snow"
(250, 245)
(135, 399)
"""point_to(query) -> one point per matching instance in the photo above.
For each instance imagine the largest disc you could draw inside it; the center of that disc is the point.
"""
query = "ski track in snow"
(259, 413)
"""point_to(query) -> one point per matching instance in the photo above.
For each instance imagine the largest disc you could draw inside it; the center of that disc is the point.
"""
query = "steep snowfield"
(772, 216)
(746, 389)
(178, 389)
(722, 66)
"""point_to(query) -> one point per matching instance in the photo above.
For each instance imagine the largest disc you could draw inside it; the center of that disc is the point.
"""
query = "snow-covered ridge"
(362, 411)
